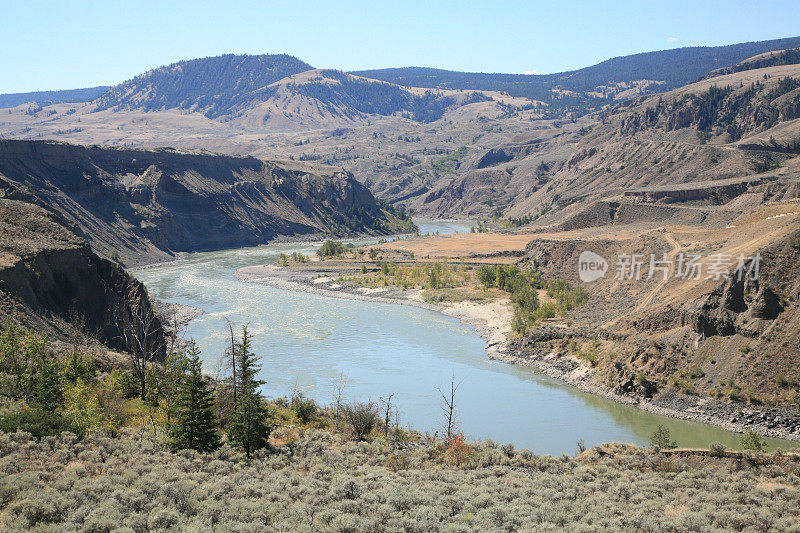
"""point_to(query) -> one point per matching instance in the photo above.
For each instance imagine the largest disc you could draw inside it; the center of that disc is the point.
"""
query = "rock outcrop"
(740, 305)
(51, 282)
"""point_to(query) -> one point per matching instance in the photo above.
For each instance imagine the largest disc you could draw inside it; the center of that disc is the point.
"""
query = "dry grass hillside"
(449, 152)
(723, 128)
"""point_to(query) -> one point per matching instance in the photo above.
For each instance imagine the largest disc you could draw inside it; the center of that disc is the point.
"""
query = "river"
(310, 342)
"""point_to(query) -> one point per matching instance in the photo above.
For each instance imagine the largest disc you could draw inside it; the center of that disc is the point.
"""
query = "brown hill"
(728, 127)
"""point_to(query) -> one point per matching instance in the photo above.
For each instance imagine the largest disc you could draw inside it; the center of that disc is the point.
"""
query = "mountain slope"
(767, 59)
(333, 99)
(144, 205)
(589, 87)
(52, 97)
(212, 86)
(729, 127)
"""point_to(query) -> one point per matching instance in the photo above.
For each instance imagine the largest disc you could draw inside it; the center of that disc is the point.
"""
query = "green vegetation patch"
(523, 287)
(450, 163)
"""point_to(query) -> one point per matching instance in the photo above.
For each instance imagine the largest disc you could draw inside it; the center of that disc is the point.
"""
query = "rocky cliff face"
(144, 205)
(51, 282)
(736, 337)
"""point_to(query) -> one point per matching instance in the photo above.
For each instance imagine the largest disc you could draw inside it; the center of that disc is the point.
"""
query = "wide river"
(310, 342)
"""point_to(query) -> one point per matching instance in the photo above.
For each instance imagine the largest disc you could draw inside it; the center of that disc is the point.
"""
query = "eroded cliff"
(144, 205)
(51, 282)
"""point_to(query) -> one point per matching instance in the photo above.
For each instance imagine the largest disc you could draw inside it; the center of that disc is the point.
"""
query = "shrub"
(362, 417)
(82, 408)
(717, 449)
(38, 423)
(581, 444)
(696, 372)
(458, 452)
(305, 409)
(77, 366)
(753, 442)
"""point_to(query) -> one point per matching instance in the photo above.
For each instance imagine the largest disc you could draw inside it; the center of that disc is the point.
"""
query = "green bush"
(362, 417)
(753, 442)
(661, 439)
(38, 423)
(305, 409)
(330, 249)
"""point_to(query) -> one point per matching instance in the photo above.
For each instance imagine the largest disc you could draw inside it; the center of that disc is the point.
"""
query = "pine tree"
(195, 422)
(249, 428)
(47, 393)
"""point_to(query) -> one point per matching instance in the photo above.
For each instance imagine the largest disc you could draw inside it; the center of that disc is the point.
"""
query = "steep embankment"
(51, 282)
(144, 205)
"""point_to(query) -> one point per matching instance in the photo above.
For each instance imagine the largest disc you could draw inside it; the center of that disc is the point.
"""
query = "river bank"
(492, 321)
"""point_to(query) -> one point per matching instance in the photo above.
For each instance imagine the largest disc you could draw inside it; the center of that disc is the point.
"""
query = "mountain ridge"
(212, 91)
(678, 67)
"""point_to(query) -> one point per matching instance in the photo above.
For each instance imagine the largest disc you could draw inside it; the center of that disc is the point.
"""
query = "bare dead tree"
(338, 394)
(386, 404)
(448, 405)
(140, 331)
(78, 330)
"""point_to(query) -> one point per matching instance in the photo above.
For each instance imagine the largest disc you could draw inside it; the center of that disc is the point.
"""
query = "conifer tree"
(47, 394)
(195, 424)
(249, 428)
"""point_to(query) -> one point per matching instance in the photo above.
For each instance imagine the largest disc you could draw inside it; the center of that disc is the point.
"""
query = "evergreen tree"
(249, 428)
(195, 422)
(47, 394)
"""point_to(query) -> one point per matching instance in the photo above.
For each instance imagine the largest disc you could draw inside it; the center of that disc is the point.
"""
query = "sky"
(47, 45)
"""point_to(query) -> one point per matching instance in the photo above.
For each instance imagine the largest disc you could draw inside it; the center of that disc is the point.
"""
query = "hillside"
(591, 87)
(461, 151)
(212, 86)
(728, 127)
(767, 59)
(140, 206)
(43, 98)
(231, 86)
(317, 99)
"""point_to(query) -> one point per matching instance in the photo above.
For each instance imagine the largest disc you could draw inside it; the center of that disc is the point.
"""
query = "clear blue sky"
(67, 44)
